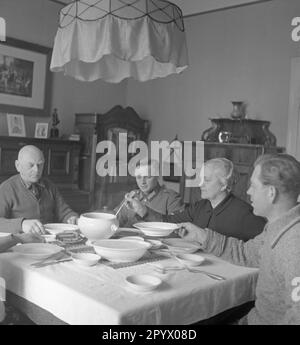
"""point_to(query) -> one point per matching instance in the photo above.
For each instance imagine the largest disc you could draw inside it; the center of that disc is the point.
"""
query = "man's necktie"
(35, 188)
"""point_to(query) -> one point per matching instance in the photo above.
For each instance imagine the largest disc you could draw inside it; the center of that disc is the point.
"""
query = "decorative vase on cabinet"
(240, 140)
(238, 111)
(241, 131)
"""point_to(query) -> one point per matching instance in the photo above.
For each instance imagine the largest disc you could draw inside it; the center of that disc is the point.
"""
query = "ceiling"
(193, 7)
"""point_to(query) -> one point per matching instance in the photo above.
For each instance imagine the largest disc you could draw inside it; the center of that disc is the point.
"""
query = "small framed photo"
(16, 125)
(41, 130)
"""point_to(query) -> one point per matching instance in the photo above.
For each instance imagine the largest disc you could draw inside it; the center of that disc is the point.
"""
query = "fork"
(167, 268)
(210, 275)
(196, 270)
(53, 262)
(193, 270)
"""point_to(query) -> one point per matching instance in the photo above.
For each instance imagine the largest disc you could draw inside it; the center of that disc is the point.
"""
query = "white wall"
(236, 54)
(36, 21)
(191, 7)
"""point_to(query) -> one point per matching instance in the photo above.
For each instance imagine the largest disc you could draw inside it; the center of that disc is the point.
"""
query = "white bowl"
(157, 229)
(97, 225)
(86, 259)
(121, 250)
(155, 244)
(37, 251)
(130, 230)
(56, 228)
(190, 259)
(133, 238)
(143, 282)
(49, 238)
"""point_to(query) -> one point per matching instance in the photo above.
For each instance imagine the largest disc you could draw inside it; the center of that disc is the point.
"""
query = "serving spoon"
(120, 207)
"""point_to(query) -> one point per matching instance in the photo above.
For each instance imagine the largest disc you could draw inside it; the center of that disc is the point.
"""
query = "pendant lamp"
(117, 39)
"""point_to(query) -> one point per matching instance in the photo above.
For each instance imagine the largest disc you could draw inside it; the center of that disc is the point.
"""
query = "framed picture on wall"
(16, 125)
(41, 130)
(25, 79)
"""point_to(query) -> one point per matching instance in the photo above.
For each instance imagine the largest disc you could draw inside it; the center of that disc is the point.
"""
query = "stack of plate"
(178, 245)
(37, 251)
(156, 229)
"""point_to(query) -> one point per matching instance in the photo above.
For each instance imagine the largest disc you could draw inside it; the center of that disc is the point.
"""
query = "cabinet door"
(58, 162)
(242, 178)
(110, 194)
(62, 164)
(116, 125)
(8, 156)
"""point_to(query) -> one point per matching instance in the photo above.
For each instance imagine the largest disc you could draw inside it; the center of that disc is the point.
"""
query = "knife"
(49, 263)
(50, 257)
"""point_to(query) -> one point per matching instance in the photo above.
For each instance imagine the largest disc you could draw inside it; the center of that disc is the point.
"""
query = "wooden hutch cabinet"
(241, 141)
(243, 157)
(93, 128)
(61, 164)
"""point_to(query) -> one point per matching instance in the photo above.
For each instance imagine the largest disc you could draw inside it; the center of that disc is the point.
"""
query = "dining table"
(68, 293)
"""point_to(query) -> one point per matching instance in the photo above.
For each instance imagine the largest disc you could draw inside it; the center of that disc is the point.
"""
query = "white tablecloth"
(99, 295)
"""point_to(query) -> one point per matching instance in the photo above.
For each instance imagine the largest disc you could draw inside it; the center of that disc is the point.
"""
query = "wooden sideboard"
(93, 128)
(61, 165)
(243, 157)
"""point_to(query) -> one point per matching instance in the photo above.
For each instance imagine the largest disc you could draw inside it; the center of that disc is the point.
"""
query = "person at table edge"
(150, 193)
(27, 200)
(219, 210)
(274, 190)
(10, 315)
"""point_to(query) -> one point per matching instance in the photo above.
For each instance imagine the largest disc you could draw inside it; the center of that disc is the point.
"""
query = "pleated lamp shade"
(117, 39)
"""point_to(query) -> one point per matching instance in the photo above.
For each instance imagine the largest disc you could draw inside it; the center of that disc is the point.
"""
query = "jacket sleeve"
(287, 273)
(235, 250)
(62, 210)
(184, 215)
(6, 224)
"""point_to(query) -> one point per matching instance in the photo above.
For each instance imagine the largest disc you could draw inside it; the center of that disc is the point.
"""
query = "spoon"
(120, 207)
